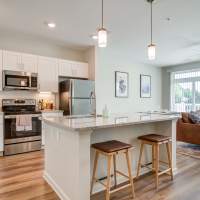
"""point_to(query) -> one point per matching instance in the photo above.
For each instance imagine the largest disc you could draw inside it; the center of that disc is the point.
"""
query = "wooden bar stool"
(155, 141)
(110, 149)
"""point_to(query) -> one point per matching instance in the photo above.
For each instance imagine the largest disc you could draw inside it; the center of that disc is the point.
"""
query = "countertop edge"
(59, 125)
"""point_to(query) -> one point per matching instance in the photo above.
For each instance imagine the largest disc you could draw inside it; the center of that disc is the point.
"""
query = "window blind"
(185, 91)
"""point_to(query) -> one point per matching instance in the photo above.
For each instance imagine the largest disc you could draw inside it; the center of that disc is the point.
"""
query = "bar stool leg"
(153, 158)
(140, 159)
(169, 159)
(130, 173)
(108, 177)
(94, 171)
(115, 169)
(157, 164)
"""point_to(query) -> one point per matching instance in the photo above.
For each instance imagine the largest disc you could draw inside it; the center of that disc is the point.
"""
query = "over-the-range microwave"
(15, 80)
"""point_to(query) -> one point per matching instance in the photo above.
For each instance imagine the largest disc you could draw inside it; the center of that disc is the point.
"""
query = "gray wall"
(166, 80)
(106, 64)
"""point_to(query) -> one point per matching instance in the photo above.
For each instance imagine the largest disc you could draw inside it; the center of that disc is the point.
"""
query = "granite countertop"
(91, 122)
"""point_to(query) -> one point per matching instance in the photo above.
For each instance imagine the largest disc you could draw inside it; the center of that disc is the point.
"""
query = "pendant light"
(151, 47)
(102, 32)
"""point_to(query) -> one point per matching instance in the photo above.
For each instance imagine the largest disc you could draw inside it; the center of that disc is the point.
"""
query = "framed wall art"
(121, 84)
(145, 86)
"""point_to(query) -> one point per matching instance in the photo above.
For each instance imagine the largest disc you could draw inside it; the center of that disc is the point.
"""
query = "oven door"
(16, 80)
(12, 135)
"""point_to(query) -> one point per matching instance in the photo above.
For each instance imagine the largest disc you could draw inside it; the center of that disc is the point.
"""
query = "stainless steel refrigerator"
(77, 97)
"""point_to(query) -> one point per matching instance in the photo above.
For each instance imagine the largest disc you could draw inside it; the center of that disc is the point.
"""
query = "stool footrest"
(120, 188)
(122, 174)
(164, 172)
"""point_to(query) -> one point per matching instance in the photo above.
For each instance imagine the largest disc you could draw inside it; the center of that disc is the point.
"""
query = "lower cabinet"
(46, 115)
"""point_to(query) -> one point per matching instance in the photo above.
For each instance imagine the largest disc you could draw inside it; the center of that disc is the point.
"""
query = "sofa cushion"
(195, 117)
(186, 118)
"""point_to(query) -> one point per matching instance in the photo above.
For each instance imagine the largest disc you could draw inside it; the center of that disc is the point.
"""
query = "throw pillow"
(195, 117)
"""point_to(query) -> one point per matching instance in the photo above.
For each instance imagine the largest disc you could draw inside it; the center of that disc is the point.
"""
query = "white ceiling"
(177, 40)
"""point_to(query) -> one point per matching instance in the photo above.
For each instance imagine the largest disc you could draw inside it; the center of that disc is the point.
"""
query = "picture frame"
(145, 86)
(121, 84)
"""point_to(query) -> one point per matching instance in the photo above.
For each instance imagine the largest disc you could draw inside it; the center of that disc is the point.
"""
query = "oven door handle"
(14, 116)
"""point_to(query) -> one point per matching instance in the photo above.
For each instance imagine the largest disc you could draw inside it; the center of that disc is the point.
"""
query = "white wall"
(90, 58)
(106, 65)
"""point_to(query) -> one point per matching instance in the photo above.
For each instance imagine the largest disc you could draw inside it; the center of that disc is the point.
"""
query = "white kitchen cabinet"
(46, 115)
(48, 74)
(12, 61)
(64, 68)
(29, 62)
(16, 61)
(73, 69)
(1, 134)
(79, 69)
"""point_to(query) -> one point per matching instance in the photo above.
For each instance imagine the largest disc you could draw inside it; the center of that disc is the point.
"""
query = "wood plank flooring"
(21, 179)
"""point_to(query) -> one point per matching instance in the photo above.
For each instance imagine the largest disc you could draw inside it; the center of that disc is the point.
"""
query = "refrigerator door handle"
(91, 97)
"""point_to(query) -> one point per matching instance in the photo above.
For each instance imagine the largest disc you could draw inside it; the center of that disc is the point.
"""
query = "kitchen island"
(69, 158)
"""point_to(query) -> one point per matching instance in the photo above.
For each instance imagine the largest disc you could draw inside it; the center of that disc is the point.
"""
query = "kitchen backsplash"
(29, 95)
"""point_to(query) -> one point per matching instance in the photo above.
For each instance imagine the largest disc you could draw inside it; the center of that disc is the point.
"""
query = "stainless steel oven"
(20, 141)
(19, 80)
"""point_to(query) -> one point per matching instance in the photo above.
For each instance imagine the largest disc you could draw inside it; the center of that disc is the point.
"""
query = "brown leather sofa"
(187, 131)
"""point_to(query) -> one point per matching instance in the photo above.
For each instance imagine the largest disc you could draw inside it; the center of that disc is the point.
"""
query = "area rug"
(191, 150)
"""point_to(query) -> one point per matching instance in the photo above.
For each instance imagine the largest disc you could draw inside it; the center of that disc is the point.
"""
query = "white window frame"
(182, 80)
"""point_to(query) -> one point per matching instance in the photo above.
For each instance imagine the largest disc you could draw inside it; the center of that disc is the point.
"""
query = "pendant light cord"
(102, 14)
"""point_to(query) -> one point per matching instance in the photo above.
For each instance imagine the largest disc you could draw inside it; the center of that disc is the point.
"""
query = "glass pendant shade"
(152, 52)
(102, 37)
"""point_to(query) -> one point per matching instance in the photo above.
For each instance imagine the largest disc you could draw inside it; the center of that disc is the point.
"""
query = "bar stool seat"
(111, 146)
(155, 141)
(111, 149)
(155, 138)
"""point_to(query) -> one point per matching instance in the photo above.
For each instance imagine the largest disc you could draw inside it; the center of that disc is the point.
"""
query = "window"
(185, 90)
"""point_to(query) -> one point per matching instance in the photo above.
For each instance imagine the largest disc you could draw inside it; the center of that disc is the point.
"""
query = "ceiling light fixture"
(151, 47)
(102, 32)
(51, 25)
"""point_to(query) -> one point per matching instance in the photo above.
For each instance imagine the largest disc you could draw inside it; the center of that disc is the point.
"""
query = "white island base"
(69, 158)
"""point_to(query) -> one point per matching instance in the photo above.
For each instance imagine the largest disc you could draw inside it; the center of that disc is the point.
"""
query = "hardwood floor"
(21, 179)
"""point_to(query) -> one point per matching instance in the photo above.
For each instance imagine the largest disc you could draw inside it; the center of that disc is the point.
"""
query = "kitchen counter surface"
(91, 123)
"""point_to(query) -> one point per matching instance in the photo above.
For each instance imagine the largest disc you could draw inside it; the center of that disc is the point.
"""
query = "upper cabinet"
(29, 62)
(48, 74)
(19, 61)
(73, 69)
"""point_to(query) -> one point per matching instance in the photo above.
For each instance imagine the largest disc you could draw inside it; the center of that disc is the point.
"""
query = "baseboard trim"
(55, 187)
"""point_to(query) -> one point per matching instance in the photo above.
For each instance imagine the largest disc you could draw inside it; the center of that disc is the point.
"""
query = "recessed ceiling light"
(51, 25)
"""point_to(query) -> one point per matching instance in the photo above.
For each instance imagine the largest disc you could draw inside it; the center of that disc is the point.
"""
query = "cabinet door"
(12, 61)
(48, 74)
(65, 68)
(79, 69)
(74, 69)
(83, 70)
(46, 115)
(29, 62)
